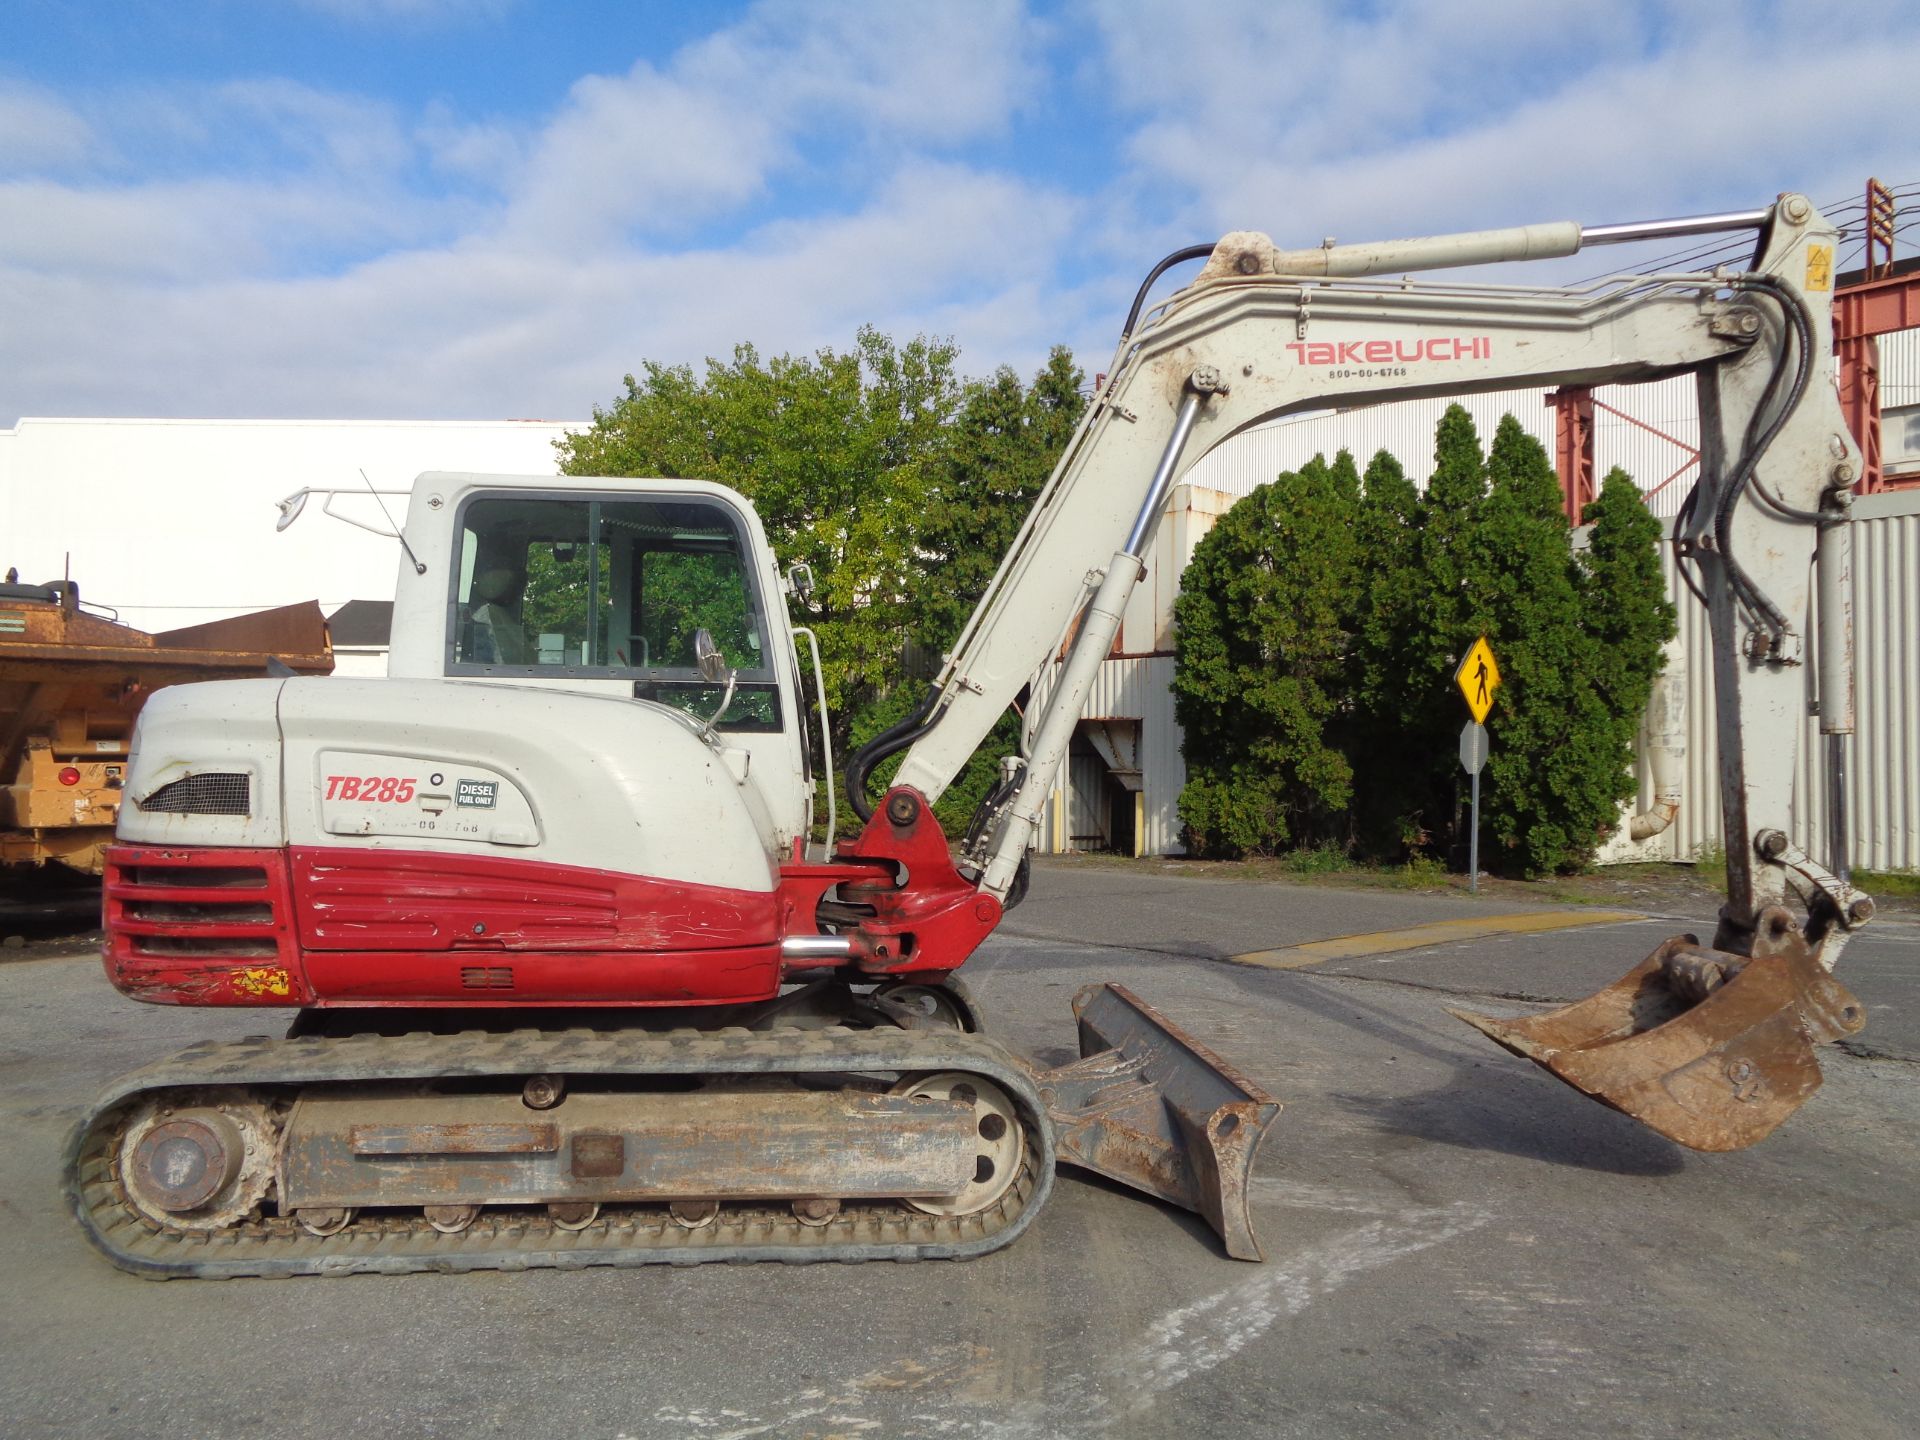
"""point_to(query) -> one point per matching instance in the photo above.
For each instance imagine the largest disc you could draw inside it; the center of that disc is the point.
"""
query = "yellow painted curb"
(1437, 932)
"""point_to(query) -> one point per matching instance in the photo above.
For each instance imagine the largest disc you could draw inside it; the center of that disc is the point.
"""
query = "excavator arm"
(1710, 1046)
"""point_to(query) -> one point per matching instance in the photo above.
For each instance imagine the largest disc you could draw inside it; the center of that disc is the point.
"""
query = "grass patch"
(1320, 860)
(1422, 872)
(1710, 865)
(1904, 883)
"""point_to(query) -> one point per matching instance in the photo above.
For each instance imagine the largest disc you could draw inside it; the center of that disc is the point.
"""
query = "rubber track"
(518, 1238)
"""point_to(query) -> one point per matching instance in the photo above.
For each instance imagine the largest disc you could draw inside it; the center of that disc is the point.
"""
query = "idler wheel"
(1000, 1142)
(181, 1164)
(197, 1167)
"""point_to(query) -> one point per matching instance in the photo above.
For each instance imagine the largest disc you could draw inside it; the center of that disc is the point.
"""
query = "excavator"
(572, 987)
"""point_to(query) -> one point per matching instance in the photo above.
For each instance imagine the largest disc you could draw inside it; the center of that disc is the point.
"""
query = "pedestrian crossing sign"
(1478, 677)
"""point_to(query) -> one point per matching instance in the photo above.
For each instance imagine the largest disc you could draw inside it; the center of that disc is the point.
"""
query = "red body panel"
(341, 925)
(354, 899)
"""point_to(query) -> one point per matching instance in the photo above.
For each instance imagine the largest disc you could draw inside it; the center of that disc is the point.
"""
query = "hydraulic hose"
(890, 741)
(1758, 439)
(1178, 257)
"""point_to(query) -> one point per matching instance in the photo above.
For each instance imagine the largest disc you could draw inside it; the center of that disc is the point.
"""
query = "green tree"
(1006, 441)
(1264, 624)
(1389, 817)
(1550, 779)
(899, 485)
(836, 451)
(1447, 608)
(1320, 625)
(1624, 600)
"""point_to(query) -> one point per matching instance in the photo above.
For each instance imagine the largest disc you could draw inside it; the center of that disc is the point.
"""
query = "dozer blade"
(1150, 1107)
(1710, 1049)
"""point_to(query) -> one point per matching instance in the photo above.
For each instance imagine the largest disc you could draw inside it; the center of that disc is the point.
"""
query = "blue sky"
(487, 208)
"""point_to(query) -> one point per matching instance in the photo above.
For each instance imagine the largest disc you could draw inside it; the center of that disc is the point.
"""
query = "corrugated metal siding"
(1133, 688)
(1900, 368)
(1884, 761)
(1900, 402)
(1661, 464)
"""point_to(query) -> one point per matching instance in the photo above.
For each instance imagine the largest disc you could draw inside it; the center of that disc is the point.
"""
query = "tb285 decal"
(374, 789)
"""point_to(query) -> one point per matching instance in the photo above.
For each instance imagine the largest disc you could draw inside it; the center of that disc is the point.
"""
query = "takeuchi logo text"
(1392, 352)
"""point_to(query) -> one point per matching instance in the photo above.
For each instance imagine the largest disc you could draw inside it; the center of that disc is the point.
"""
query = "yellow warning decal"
(1819, 267)
(261, 980)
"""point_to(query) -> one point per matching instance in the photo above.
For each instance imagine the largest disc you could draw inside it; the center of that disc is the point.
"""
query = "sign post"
(1478, 677)
(1473, 754)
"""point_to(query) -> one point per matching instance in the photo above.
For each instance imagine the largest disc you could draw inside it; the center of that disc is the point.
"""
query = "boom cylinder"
(1097, 629)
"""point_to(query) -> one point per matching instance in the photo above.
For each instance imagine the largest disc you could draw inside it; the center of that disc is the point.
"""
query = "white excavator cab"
(601, 586)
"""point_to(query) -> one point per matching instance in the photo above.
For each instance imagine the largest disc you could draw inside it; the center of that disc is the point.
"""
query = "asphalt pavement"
(1457, 1244)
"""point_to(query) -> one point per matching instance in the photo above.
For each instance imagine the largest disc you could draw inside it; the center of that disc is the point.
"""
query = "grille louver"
(212, 793)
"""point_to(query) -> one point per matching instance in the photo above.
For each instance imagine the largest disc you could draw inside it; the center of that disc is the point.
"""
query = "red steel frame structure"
(1881, 299)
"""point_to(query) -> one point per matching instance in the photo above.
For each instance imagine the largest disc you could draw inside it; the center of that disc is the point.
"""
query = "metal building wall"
(1133, 687)
(171, 522)
(1656, 452)
(1884, 763)
(1241, 465)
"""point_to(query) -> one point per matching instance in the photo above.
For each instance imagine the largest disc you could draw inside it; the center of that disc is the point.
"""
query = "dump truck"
(71, 686)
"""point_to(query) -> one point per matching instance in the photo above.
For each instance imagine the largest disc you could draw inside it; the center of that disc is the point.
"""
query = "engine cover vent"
(211, 793)
(486, 977)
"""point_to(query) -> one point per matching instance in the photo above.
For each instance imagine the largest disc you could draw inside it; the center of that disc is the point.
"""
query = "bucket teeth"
(1709, 1049)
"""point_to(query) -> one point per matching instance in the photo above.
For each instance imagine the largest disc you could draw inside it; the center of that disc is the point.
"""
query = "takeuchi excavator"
(573, 990)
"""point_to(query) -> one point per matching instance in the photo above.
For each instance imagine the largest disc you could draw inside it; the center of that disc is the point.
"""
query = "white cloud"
(38, 132)
(661, 150)
(263, 247)
(646, 152)
(1420, 116)
(488, 330)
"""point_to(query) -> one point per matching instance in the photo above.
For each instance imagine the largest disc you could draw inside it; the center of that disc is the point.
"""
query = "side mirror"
(800, 580)
(713, 669)
(707, 656)
(290, 508)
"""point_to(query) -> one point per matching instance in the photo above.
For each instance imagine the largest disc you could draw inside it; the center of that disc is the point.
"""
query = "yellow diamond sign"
(1478, 677)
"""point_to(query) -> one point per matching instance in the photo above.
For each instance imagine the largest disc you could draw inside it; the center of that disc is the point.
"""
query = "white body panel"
(217, 727)
(593, 781)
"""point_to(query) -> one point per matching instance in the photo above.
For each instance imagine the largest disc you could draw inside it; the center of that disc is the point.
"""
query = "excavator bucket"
(1149, 1106)
(1710, 1049)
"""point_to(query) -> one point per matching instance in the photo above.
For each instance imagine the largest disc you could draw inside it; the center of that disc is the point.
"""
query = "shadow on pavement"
(1477, 1108)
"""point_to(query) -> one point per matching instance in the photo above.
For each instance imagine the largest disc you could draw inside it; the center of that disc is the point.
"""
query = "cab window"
(611, 588)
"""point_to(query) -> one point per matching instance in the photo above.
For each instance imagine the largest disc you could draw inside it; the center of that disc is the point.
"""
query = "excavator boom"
(1265, 332)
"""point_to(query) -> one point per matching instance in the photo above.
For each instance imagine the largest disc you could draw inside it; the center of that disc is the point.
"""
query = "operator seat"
(497, 636)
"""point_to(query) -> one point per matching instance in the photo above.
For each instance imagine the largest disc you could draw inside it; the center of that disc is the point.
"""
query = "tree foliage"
(896, 482)
(837, 452)
(1264, 626)
(1005, 443)
(1320, 625)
